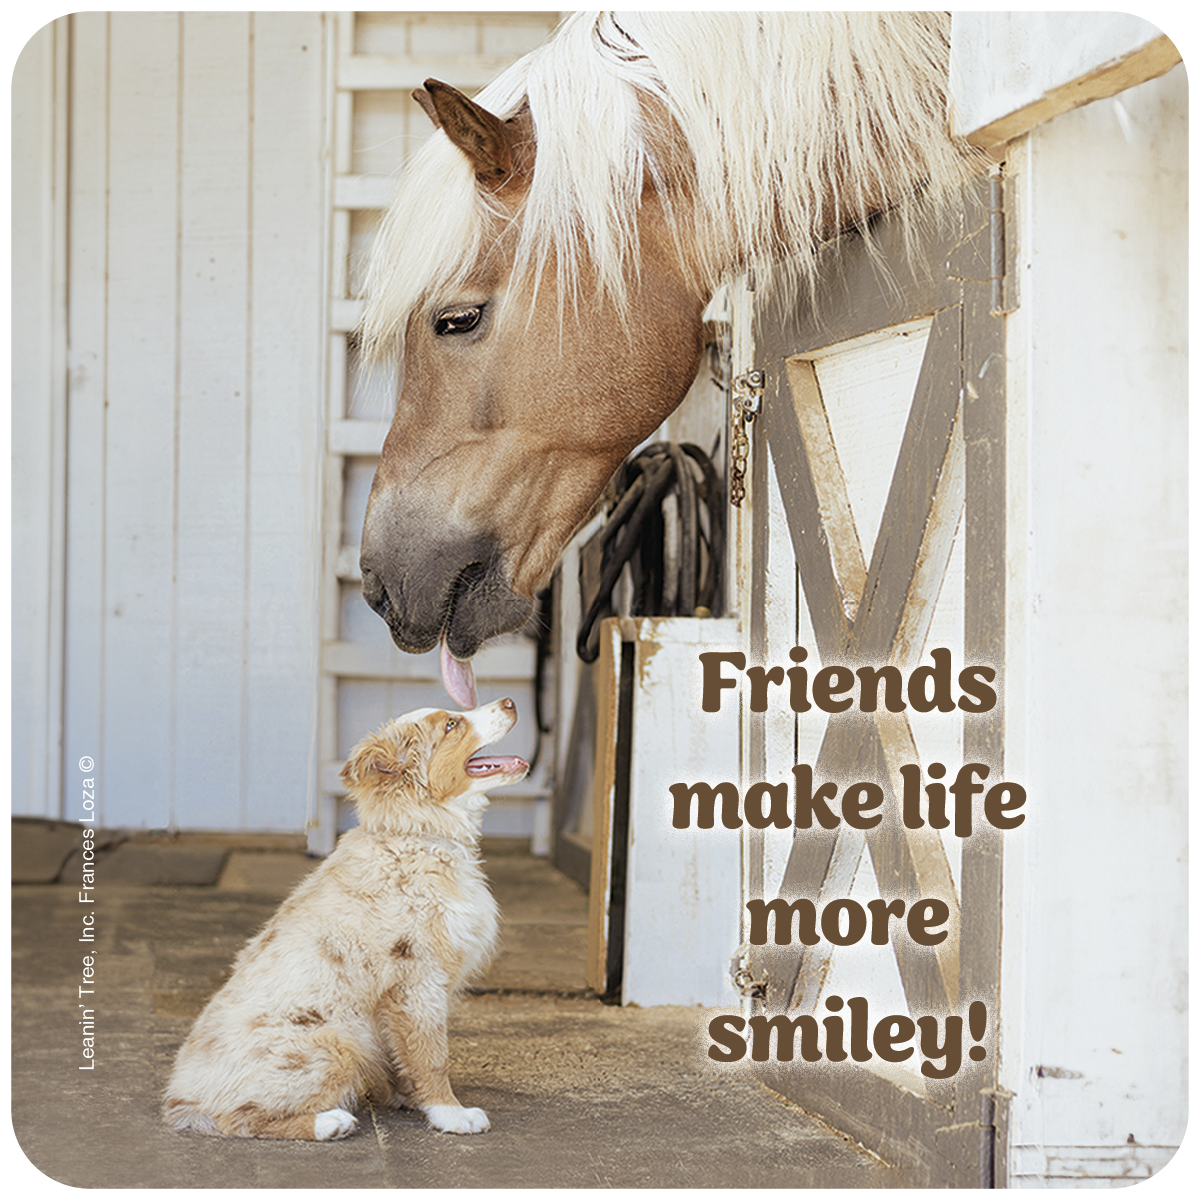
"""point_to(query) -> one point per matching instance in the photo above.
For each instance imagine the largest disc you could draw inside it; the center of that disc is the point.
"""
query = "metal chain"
(746, 404)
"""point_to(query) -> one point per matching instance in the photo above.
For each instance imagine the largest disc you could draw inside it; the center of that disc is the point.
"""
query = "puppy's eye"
(451, 724)
(457, 320)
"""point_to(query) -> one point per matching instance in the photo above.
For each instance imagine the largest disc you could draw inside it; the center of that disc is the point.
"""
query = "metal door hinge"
(1002, 245)
(746, 404)
(996, 240)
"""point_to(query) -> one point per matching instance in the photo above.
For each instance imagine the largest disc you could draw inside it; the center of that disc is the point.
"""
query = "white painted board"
(1095, 919)
(683, 886)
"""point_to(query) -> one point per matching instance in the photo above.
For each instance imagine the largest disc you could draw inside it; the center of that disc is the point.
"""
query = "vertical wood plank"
(141, 337)
(608, 670)
(213, 382)
(985, 417)
(683, 887)
(83, 676)
(287, 342)
(39, 94)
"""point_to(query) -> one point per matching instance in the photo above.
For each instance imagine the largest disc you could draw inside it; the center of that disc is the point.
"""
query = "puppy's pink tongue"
(458, 679)
(506, 764)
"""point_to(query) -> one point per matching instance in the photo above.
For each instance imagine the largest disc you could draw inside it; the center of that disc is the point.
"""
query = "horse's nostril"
(470, 576)
(375, 593)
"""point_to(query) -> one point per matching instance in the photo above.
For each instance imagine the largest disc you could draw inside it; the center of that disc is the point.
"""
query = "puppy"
(345, 992)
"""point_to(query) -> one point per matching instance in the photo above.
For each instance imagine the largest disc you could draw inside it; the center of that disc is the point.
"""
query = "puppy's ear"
(371, 759)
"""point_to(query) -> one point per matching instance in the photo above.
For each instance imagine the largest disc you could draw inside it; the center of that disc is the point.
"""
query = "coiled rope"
(668, 527)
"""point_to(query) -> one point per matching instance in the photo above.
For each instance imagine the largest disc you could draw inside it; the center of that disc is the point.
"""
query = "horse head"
(550, 318)
(521, 395)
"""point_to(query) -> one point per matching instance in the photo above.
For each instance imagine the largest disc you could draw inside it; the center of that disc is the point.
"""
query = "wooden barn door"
(877, 522)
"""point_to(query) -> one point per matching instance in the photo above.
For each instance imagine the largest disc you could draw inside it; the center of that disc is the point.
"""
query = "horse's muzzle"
(457, 588)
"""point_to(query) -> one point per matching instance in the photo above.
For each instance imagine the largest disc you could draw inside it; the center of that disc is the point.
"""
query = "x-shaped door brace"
(871, 615)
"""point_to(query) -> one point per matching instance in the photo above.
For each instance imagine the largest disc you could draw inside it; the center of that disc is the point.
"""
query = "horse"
(542, 274)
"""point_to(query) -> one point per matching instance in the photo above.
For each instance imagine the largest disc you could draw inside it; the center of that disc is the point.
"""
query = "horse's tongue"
(458, 679)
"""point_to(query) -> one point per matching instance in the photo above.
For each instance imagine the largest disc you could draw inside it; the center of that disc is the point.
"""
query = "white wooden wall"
(195, 197)
(1094, 984)
(1098, 887)
(38, 418)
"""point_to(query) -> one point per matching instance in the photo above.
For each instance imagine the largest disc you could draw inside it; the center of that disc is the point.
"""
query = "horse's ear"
(479, 134)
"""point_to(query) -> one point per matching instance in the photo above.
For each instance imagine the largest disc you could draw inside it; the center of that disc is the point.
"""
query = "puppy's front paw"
(334, 1124)
(450, 1118)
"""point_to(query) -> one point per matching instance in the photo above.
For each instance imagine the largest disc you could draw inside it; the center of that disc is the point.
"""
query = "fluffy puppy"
(346, 990)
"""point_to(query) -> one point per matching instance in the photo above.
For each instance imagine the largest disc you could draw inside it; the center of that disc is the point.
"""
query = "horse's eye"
(457, 320)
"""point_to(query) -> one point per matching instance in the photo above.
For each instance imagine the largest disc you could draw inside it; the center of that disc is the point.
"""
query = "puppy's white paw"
(334, 1124)
(450, 1118)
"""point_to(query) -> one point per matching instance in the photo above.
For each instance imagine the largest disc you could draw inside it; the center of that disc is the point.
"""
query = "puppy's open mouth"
(495, 764)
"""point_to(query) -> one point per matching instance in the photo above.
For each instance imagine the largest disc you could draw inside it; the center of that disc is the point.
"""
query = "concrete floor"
(580, 1093)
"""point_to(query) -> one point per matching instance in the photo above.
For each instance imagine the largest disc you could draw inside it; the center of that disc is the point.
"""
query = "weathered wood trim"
(755, 766)
(604, 784)
(916, 536)
(798, 490)
(869, 282)
(829, 484)
(814, 858)
(909, 1130)
(1147, 62)
(917, 860)
(903, 557)
(985, 425)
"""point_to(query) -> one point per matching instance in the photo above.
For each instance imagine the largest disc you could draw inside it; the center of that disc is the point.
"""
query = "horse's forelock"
(584, 97)
(431, 237)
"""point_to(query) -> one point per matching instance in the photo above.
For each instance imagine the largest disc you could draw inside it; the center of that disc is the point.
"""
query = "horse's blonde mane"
(791, 125)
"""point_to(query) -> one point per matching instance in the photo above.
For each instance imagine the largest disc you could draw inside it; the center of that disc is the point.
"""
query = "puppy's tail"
(253, 1121)
(183, 1114)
